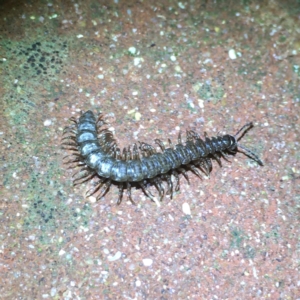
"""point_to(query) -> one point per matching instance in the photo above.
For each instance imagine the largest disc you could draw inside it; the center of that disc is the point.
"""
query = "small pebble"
(137, 116)
(115, 257)
(132, 50)
(47, 122)
(147, 262)
(138, 283)
(53, 292)
(72, 283)
(232, 54)
(137, 61)
(181, 5)
(61, 252)
(173, 58)
(92, 199)
(186, 208)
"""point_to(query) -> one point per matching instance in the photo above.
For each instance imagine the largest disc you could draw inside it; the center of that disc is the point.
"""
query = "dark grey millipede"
(95, 151)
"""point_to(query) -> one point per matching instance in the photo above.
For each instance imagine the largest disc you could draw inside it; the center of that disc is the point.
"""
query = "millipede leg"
(69, 137)
(95, 188)
(195, 170)
(135, 152)
(208, 164)
(79, 164)
(109, 146)
(121, 190)
(170, 184)
(148, 149)
(184, 173)
(158, 184)
(112, 150)
(128, 154)
(216, 157)
(85, 177)
(179, 138)
(105, 189)
(73, 144)
(225, 156)
(70, 149)
(202, 166)
(128, 187)
(73, 119)
(194, 135)
(100, 120)
(84, 169)
(77, 156)
(160, 144)
(70, 129)
(145, 190)
(176, 176)
(76, 160)
(118, 154)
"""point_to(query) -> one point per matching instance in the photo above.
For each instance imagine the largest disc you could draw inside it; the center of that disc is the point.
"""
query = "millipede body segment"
(95, 151)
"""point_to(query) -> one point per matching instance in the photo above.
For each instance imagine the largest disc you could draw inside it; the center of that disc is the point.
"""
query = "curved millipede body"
(95, 150)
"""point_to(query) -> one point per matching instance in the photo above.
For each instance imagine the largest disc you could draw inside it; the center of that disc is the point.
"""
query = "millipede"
(95, 151)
